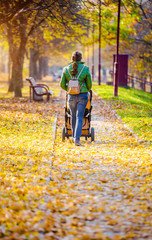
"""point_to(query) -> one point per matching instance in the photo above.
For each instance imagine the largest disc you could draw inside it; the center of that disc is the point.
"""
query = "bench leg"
(48, 97)
(30, 95)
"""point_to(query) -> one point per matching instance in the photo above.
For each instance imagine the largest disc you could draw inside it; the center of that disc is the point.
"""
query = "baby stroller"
(87, 132)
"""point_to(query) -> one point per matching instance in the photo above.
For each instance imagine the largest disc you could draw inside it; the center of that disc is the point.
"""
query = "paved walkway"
(103, 189)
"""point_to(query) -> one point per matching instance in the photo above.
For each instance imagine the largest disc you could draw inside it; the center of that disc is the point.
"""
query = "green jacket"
(85, 76)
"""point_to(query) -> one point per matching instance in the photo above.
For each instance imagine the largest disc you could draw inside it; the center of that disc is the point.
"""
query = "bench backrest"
(31, 81)
(38, 90)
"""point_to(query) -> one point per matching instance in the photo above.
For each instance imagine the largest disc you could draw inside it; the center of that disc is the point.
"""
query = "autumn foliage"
(54, 190)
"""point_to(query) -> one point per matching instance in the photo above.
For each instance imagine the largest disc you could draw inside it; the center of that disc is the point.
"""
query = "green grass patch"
(133, 106)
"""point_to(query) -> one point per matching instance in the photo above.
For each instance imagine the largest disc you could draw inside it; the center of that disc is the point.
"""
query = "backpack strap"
(79, 76)
(69, 73)
(79, 73)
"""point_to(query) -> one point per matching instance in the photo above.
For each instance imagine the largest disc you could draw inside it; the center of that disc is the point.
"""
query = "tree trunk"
(45, 66)
(33, 69)
(11, 80)
(16, 79)
(40, 73)
(17, 69)
(10, 77)
(17, 51)
(17, 59)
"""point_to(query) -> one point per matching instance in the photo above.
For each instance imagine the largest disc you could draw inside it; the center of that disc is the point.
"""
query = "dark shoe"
(77, 144)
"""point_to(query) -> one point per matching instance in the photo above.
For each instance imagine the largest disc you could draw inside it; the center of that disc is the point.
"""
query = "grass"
(133, 106)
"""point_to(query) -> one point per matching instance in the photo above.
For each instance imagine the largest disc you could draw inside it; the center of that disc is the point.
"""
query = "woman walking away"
(76, 80)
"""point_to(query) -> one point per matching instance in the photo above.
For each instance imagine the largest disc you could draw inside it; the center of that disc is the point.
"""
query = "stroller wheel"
(63, 134)
(92, 134)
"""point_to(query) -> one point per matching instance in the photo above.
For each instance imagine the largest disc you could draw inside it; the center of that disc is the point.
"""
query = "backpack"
(74, 85)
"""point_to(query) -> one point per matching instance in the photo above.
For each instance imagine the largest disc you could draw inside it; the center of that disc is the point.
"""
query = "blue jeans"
(77, 105)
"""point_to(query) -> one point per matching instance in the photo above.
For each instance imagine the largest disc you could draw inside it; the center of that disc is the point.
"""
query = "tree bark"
(17, 69)
(33, 68)
(17, 52)
(40, 73)
(45, 66)
(9, 72)
(10, 75)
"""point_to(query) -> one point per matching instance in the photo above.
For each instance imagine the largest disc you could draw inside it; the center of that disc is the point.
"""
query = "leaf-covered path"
(103, 189)
(53, 190)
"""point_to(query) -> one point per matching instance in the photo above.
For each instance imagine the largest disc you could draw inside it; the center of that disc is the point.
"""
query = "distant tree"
(139, 43)
(62, 13)
(38, 55)
(135, 31)
(56, 39)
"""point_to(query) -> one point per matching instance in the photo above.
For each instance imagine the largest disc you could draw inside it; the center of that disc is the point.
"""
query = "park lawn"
(133, 106)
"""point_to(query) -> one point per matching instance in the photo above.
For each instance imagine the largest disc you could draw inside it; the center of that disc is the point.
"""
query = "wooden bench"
(37, 91)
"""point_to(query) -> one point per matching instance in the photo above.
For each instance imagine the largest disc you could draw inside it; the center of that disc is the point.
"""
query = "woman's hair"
(76, 56)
